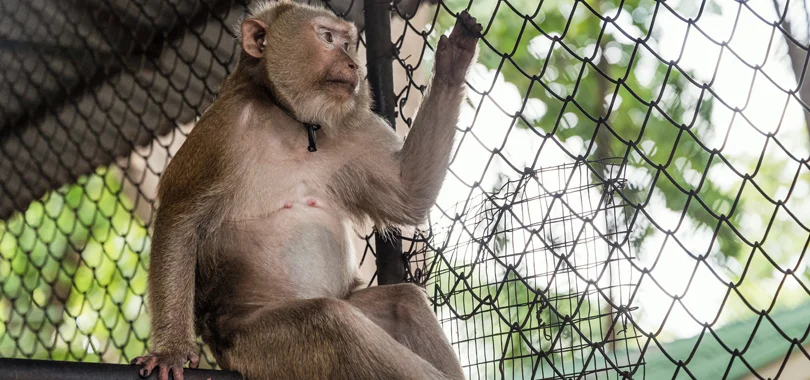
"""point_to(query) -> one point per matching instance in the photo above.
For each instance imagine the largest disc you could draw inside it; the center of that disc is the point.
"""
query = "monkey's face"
(310, 60)
(335, 66)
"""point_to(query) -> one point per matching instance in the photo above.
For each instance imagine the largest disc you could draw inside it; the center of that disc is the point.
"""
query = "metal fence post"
(379, 58)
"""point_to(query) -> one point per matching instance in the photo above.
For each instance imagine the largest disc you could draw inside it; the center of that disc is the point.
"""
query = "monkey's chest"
(274, 185)
(298, 235)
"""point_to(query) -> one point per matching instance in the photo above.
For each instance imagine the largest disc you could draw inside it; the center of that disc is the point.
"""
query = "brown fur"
(251, 246)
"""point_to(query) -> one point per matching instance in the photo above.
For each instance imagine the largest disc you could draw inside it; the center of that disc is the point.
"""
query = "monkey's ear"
(254, 37)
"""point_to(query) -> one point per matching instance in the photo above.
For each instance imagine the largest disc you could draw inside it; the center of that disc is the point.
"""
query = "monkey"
(251, 239)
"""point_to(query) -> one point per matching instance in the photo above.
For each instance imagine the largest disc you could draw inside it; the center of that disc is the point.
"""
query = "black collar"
(311, 128)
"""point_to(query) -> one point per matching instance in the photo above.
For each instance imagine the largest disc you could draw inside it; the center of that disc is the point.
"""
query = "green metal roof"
(711, 360)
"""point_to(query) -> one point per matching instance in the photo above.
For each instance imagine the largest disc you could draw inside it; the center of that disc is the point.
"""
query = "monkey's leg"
(404, 312)
(321, 338)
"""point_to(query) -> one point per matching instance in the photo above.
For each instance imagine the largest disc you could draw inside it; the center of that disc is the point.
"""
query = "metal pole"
(379, 58)
(24, 369)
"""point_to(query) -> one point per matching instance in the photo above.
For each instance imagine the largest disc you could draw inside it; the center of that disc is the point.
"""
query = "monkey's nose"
(353, 66)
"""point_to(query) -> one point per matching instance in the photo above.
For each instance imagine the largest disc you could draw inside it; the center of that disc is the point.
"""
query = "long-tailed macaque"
(251, 239)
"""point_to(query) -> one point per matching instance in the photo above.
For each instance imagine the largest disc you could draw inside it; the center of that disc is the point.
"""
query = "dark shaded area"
(86, 82)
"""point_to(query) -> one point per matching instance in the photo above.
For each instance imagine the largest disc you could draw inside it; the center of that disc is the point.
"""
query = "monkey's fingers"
(177, 372)
(458, 28)
(443, 55)
(441, 47)
(469, 32)
(194, 361)
(164, 372)
(139, 360)
(466, 28)
(149, 366)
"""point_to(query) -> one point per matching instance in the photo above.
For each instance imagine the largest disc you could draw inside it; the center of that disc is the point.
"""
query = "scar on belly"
(312, 203)
(287, 204)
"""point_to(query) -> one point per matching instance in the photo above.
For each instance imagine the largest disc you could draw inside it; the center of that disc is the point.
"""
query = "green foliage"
(73, 275)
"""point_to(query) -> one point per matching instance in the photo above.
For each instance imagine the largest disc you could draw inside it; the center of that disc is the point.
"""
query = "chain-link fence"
(628, 197)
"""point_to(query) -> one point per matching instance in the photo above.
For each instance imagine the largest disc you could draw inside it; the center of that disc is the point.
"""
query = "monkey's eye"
(346, 46)
(327, 36)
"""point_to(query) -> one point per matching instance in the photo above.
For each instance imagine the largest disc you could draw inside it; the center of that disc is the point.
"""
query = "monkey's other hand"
(166, 363)
(454, 53)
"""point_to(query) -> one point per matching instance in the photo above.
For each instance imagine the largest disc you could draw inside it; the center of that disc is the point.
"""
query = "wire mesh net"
(627, 196)
(532, 276)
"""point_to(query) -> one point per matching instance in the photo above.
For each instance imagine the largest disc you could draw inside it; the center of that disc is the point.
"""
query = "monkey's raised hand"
(454, 53)
(166, 363)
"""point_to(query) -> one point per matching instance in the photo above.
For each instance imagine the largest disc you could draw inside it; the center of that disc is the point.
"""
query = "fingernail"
(143, 373)
(133, 361)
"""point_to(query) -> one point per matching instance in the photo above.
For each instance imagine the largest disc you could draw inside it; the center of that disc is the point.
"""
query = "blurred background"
(628, 195)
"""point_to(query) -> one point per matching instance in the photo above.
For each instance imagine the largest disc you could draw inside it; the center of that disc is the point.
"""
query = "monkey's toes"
(194, 360)
(165, 365)
(138, 361)
(176, 371)
(149, 363)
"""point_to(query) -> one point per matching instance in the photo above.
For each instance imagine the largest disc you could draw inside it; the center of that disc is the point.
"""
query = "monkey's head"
(307, 56)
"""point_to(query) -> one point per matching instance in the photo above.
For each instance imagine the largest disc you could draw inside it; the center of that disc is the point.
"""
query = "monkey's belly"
(317, 259)
(303, 251)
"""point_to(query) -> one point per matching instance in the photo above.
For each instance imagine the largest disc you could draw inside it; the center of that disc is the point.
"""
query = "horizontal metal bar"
(26, 369)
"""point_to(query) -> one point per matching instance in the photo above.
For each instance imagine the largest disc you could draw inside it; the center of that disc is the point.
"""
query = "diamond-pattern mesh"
(627, 196)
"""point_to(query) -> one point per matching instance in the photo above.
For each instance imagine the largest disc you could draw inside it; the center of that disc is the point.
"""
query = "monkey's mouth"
(343, 83)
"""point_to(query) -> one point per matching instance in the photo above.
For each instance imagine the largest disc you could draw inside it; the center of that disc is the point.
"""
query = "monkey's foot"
(166, 363)
(454, 53)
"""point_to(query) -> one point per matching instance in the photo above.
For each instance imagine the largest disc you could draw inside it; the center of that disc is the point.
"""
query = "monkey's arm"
(171, 290)
(399, 186)
(189, 192)
(422, 161)
(171, 278)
